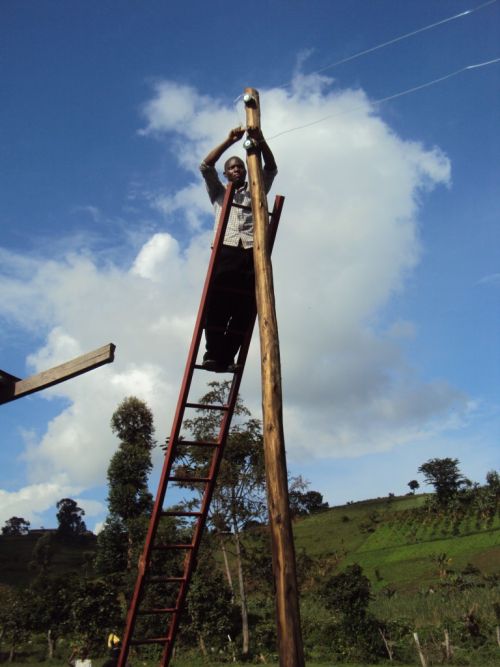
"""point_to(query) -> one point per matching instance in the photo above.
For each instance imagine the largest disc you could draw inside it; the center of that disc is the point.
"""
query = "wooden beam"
(12, 388)
(290, 648)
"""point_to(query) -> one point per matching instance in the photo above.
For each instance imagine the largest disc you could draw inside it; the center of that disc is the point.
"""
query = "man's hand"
(235, 134)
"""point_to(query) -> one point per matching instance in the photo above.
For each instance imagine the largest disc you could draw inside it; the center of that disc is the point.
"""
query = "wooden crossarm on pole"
(12, 387)
(290, 648)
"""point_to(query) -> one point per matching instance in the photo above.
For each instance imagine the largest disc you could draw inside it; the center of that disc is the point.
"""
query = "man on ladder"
(232, 300)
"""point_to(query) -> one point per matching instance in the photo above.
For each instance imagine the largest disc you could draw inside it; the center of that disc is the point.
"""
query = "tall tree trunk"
(203, 648)
(229, 576)
(243, 597)
(50, 645)
(129, 551)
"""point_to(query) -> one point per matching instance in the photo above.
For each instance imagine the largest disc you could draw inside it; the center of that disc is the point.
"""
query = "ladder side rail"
(177, 423)
(216, 461)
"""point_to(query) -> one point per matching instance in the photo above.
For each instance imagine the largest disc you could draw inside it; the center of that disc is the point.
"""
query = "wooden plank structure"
(291, 653)
(12, 387)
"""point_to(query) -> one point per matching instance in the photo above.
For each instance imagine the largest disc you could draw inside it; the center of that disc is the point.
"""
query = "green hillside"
(17, 553)
(429, 571)
(395, 545)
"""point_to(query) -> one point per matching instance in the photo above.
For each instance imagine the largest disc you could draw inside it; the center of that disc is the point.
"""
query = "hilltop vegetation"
(427, 572)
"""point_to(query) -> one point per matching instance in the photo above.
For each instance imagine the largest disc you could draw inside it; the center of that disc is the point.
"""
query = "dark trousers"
(231, 303)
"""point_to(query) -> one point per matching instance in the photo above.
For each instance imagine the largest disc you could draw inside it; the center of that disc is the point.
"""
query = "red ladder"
(148, 561)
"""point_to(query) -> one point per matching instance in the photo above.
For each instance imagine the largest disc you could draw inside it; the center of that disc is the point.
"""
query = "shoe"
(216, 365)
(234, 368)
(209, 364)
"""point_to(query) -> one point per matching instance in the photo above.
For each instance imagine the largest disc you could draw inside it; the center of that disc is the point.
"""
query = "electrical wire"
(391, 97)
(400, 38)
(467, 12)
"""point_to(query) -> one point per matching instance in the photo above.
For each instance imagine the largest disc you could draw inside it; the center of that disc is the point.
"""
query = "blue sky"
(389, 327)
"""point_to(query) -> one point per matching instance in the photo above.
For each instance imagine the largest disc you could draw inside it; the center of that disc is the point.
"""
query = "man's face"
(234, 171)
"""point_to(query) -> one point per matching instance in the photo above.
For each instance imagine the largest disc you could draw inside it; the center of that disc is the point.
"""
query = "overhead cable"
(391, 97)
(401, 37)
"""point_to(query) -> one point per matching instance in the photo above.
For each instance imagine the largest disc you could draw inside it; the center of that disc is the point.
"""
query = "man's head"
(234, 170)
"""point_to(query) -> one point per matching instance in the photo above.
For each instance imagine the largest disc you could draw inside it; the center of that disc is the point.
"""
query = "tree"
(349, 592)
(239, 495)
(16, 525)
(304, 502)
(51, 600)
(493, 481)
(15, 618)
(129, 500)
(42, 554)
(414, 485)
(209, 605)
(348, 595)
(444, 475)
(95, 611)
(70, 519)
(112, 541)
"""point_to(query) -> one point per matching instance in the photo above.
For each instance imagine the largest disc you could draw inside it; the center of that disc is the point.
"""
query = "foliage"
(129, 499)
(51, 601)
(128, 471)
(309, 502)
(357, 631)
(69, 518)
(445, 476)
(16, 526)
(95, 611)
(15, 618)
(111, 547)
(43, 553)
(348, 593)
(414, 485)
(211, 611)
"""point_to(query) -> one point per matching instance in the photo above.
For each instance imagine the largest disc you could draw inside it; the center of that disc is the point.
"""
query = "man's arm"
(234, 135)
(267, 154)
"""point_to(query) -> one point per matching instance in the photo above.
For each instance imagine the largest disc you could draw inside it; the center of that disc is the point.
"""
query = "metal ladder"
(152, 569)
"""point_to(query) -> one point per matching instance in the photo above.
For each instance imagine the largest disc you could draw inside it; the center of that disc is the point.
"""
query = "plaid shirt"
(240, 223)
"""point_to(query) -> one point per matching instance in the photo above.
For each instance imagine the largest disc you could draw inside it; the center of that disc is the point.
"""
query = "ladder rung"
(199, 480)
(201, 367)
(180, 513)
(203, 406)
(245, 208)
(164, 580)
(149, 640)
(165, 547)
(197, 443)
(158, 610)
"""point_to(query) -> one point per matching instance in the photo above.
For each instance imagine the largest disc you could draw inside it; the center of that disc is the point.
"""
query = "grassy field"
(395, 547)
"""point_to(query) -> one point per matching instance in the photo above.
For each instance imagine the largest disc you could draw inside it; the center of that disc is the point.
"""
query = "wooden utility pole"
(287, 599)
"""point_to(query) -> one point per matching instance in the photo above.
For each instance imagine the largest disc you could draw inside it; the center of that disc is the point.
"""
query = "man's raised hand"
(235, 134)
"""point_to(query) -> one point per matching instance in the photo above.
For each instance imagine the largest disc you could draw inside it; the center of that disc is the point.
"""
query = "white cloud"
(348, 240)
(32, 500)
